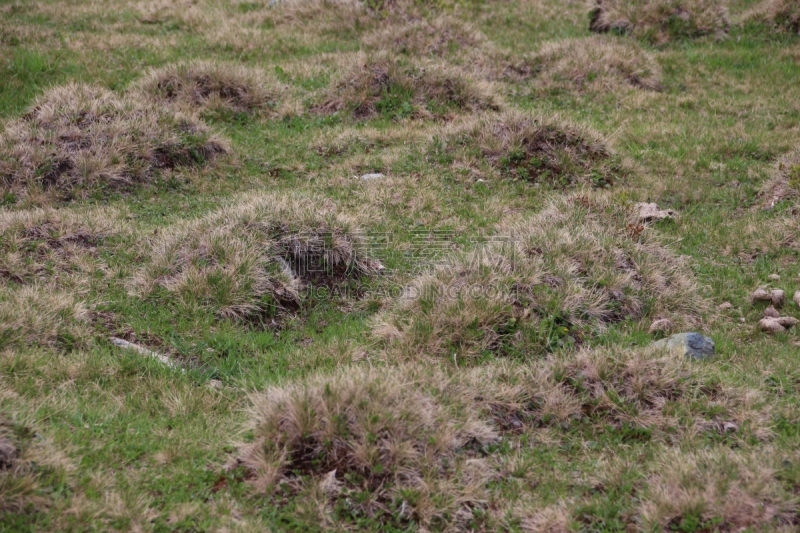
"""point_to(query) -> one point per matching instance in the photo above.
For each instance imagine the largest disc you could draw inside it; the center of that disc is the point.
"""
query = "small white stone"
(774, 277)
(374, 176)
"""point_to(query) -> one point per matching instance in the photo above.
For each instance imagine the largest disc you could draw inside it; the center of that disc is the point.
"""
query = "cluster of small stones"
(773, 321)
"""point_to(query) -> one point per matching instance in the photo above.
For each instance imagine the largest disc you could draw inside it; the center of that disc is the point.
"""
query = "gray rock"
(692, 345)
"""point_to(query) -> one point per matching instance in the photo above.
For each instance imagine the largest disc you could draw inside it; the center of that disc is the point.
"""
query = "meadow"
(381, 265)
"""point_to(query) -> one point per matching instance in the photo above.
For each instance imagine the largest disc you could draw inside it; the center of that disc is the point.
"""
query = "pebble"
(774, 277)
(778, 297)
(663, 325)
(725, 306)
(761, 295)
(770, 325)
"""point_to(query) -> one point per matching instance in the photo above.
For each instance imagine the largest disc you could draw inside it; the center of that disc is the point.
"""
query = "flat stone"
(650, 212)
(374, 176)
(692, 345)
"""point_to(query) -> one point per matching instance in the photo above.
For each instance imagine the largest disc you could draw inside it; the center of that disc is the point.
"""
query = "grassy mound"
(717, 490)
(42, 315)
(372, 443)
(401, 444)
(41, 243)
(660, 21)
(80, 138)
(533, 148)
(439, 37)
(597, 63)
(786, 183)
(781, 14)
(564, 277)
(372, 86)
(253, 257)
(209, 86)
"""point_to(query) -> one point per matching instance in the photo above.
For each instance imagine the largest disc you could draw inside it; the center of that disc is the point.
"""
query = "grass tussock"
(401, 445)
(785, 185)
(80, 138)
(381, 85)
(40, 244)
(42, 315)
(253, 257)
(598, 63)
(717, 490)
(533, 148)
(564, 277)
(436, 38)
(660, 21)
(651, 394)
(780, 14)
(376, 443)
(210, 86)
(19, 488)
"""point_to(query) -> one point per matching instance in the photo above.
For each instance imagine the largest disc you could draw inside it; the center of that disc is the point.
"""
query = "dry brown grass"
(18, 484)
(373, 441)
(400, 443)
(785, 185)
(565, 275)
(781, 14)
(535, 148)
(718, 490)
(596, 63)
(253, 257)
(42, 314)
(420, 37)
(40, 244)
(80, 138)
(380, 84)
(672, 398)
(211, 86)
(660, 20)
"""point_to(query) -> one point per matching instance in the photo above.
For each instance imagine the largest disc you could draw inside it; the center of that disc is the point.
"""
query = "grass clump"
(563, 277)
(371, 444)
(660, 21)
(436, 38)
(210, 86)
(651, 394)
(42, 315)
(253, 257)
(533, 148)
(401, 445)
(781, 14)
(372, 86)
(78, 139)
(19, 488)
(717, 490)
(38, 244)
(596, 63)
(785, 185)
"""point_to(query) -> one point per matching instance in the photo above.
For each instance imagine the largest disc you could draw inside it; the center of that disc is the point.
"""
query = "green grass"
(134, 445)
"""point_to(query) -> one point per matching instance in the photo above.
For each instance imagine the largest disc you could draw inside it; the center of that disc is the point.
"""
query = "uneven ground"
(175, 202)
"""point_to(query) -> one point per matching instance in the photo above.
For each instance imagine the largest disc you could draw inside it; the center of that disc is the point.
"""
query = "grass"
(514, 145)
